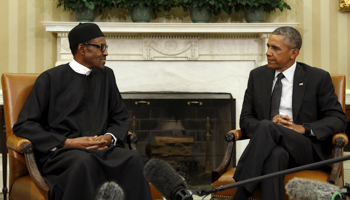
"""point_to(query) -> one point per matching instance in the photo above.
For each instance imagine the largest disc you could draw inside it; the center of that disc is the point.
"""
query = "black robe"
(64, 104)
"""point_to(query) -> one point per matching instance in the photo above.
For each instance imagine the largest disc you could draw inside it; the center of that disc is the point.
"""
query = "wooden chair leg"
(4, 155)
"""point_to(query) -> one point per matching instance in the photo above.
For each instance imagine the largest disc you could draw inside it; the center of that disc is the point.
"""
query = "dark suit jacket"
(314, 102)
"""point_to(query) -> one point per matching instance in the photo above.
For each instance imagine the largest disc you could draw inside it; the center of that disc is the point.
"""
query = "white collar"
(79, 68)
(288, 73)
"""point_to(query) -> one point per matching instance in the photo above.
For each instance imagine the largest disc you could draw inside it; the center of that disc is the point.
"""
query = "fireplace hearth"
(185, 129)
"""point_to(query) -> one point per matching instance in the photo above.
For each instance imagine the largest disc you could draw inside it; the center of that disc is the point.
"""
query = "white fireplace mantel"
(174, 28)
(176, 41)
(179, 57)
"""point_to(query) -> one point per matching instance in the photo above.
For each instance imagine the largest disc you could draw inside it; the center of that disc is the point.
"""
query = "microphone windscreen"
(307, 189)
(163, 177)
(110, 191)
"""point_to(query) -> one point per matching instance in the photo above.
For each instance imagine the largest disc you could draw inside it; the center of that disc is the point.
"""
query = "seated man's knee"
(83, 159)
(280, 154)
(265, 124)
(135, 157)
(268, 128)
(263, 129)
(84, 163)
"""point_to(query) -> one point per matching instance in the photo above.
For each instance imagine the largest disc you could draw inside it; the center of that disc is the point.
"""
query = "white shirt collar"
(288, 73)
(79, 68)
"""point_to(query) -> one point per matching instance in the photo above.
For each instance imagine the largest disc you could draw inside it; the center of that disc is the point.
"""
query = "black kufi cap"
(83, 32)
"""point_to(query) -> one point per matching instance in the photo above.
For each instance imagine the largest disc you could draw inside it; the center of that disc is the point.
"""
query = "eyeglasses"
(103, 47)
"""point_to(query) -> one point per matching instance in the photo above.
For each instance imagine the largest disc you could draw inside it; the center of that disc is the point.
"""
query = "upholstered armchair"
(25, 180)
(223, 175)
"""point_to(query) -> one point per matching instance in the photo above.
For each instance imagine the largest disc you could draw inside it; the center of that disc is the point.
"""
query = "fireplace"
(185, 129)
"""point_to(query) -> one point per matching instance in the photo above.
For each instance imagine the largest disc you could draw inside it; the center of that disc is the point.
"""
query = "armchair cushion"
(227, 178)
(155, 193)
(24, 186)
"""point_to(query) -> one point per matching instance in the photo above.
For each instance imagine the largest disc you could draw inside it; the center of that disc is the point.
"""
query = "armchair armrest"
(17, 143)
(238, 134)
(340, 140)
(231, 138)
(24, 146)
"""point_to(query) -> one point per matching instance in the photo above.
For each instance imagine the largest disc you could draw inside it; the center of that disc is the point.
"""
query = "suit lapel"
(266, 96)
(299, 86)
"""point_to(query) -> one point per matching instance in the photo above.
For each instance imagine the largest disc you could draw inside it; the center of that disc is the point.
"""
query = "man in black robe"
(75, 118)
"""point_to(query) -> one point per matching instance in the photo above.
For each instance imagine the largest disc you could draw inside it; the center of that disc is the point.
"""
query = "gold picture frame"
(344, 5)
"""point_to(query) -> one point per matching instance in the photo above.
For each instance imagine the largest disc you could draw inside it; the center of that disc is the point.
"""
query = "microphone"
(307, 189)
(173, 187)
(167, 181)
(110, 191)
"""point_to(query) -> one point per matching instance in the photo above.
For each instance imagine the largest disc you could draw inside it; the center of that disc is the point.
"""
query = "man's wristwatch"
(307, 129)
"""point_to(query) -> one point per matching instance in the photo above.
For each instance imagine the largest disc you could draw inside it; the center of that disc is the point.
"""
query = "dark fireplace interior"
(185, 129)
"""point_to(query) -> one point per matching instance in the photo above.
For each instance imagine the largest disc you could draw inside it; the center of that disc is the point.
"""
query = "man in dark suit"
(290, 113)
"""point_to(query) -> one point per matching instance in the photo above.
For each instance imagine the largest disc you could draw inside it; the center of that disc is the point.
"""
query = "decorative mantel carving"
(170, 48)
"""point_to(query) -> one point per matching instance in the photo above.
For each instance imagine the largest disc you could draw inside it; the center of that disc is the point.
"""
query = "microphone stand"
(202, 192)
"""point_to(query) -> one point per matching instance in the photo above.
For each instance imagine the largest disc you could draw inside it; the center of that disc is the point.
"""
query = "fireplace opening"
(185, 129)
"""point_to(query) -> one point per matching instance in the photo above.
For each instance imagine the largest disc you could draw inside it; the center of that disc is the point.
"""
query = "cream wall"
(28, 48)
